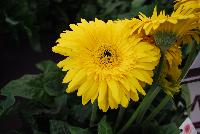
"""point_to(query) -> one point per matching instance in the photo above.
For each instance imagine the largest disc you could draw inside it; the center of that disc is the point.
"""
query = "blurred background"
(29, 28)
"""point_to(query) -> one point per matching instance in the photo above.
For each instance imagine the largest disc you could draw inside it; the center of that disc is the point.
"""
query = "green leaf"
(33, 38)
(110, 7)
(53, 83)
(47, 66)
(58, 127)
(61, 127)
(78, 130)
(104, 127)
(61, 102)
(80, 112)
(169, 129)
(5, 104)
(53, 77)
(146, 9)
(28, 86)
(137, 3)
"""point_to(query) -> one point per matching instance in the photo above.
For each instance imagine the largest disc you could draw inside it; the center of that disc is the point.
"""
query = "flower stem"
(94, 112)
(157, 109)
(147, 104)
(154, 90)
(142, 107)
(119, 117)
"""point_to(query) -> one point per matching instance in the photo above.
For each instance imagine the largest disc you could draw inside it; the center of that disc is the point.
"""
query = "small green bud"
(164, 39)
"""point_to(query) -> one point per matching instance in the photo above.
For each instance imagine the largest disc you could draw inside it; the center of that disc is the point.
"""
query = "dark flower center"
(107, 53)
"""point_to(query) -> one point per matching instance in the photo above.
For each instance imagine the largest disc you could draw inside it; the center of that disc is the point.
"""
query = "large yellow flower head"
(167, 29)
(105, 63)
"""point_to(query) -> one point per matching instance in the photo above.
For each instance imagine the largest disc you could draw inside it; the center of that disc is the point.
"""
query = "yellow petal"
(89, 93)
(102, 90)
(61, 50)
(85, 86)
(115, 91)
(137, 85)
(134, 96)
(77, 80)
(103, 96)
(111, 100)
(124, 100)
(142, 75)
(145, 65)
(69, 76)
(125, 83)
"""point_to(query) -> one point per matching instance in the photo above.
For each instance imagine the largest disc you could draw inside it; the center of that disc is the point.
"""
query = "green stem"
(142, 107)
(94, 112)
(157, 109)
(147, 104)
(119, 117)
(154, 90)
(189, 61)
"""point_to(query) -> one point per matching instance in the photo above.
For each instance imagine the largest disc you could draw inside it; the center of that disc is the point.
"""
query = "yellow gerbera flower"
(169, 88)
(105, 63)
(171, 72)
(167, 29)
(193, 4)
(174, 59)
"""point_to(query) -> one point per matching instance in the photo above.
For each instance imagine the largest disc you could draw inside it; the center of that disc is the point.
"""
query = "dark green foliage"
(84, 110)
(27, 21)
(18, 20)
(169, 129)
(58, 127)
(43, 107)
(7, 103)
(104, 127)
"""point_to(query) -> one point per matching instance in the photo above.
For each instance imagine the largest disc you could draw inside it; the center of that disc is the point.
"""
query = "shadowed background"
(28, 29)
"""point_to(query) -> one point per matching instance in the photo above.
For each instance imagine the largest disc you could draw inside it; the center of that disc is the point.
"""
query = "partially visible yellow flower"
(174, 59)
(170, 88)
(168, 29)
(105, 63)
(158, 22)
(171, 71)
(174, 56)
(193, 5)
